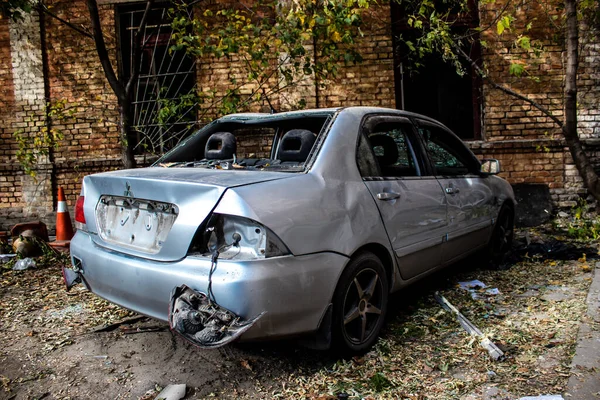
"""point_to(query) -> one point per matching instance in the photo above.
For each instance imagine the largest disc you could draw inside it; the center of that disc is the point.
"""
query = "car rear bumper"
(294, 291)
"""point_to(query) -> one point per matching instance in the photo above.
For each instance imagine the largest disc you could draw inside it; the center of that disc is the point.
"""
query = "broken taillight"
(79, 215)
(237, 238)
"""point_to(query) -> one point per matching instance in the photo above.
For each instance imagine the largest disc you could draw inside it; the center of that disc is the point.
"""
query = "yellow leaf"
(500, 27)
(586, 268)
(336, 37)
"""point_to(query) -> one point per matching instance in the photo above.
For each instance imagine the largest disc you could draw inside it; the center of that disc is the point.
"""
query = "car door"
(468, 196)
(412, 206)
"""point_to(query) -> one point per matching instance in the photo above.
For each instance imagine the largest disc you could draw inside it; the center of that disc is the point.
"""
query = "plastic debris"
(468, 326)
(474, 285)
(24, 264)
(544, 397)
(4, 258)
(172, 392)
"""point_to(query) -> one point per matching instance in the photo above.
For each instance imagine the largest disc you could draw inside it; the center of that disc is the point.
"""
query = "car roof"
(281, 115)
(316, 112)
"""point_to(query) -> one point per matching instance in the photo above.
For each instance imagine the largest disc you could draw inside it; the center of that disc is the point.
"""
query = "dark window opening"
(435, 89)
(166, 81)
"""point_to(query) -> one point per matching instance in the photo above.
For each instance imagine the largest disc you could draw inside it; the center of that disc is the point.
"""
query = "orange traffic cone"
(64, 229)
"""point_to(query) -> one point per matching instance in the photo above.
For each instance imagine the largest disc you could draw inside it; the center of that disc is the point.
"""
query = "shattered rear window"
(251, 143)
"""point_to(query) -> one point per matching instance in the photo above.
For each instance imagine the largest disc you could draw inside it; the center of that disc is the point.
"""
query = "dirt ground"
(50, 346)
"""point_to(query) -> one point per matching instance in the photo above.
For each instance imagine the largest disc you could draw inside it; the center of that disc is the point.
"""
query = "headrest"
(379, 143)
(296, 145)
(220, 146)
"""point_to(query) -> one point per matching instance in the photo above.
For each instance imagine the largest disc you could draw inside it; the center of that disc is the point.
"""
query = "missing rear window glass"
(263, 142)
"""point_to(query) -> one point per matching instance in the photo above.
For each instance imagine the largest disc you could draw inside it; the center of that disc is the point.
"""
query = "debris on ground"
(145, 329)
(471, 329)
(23, 264)
(4, 258)
(45, 339)
(172, 392)
(114, 325)
(475, 288)
(421, 352)
(26, 238)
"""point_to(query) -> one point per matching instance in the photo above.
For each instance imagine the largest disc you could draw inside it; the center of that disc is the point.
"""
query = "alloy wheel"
(362, 307)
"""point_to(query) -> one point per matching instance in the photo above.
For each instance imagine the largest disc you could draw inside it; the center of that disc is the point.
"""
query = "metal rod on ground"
(468, 326)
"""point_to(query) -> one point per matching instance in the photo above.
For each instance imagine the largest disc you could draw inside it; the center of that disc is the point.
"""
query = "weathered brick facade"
(47, 61)
(527, 142)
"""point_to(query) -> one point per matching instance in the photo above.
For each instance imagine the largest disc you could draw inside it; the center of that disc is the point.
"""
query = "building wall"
(523, 139)
(529, 143)
(370, 83)
(23, 197)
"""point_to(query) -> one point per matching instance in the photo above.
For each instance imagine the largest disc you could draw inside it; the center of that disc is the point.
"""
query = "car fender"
(311, 214)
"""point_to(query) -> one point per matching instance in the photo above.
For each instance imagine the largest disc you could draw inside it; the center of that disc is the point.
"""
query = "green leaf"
(524, 42)
(500, 27)
(516, 69)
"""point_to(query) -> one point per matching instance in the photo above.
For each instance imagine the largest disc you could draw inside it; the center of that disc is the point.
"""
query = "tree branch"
(471, 33)
(45, 10)
(109, 72)
(505, 89)
(137, 49)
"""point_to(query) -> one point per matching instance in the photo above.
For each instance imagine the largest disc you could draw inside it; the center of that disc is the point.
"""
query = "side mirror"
(490, 166)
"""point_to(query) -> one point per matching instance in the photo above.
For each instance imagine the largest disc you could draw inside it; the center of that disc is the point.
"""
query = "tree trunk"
(585, 168)
(126, 135)
(123, 93)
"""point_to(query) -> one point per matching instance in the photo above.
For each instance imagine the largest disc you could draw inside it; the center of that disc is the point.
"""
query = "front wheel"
(501, 240)
(360, 304)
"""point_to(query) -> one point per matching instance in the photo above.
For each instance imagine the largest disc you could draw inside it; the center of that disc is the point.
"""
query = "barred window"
(164, 109)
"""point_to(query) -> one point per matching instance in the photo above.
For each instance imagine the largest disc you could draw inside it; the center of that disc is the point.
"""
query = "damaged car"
(265, 226)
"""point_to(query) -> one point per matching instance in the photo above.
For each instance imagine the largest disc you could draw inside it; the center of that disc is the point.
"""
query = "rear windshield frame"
(190, 153)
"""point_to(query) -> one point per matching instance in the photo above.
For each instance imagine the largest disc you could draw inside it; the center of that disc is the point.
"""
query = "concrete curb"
(584, 383)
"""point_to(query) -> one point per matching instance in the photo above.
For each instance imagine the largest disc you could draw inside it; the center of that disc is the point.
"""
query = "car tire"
(501, 241)
(359, 304)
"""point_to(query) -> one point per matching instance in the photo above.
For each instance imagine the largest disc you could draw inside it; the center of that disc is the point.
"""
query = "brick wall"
(75, 74)
(23, 197)
(370, 83)
(89, 123)
(528, 142)
(589, 84)
(7, 91)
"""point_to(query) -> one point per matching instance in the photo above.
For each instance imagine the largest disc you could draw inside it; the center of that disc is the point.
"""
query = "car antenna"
(273, 110)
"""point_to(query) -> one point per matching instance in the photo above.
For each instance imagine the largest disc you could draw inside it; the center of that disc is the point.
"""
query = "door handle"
(452, 190)
(385, 196)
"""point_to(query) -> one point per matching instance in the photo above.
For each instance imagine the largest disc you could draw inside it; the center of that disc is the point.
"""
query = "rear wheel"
(360, 304)
(501, 241)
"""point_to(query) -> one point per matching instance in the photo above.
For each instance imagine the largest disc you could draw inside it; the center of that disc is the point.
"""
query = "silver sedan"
(272, 225)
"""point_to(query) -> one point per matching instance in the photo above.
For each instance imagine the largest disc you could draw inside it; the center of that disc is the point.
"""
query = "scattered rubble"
(172, 392)
(23, 264)
(26, 238)
(471, 329)
(46, 343)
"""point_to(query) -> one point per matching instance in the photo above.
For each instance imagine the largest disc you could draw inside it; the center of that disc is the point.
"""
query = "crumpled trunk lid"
(154, 212)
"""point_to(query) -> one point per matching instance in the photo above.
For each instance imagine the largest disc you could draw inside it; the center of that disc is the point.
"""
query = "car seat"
(220, 146)
(295, 145)
(389, 156)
